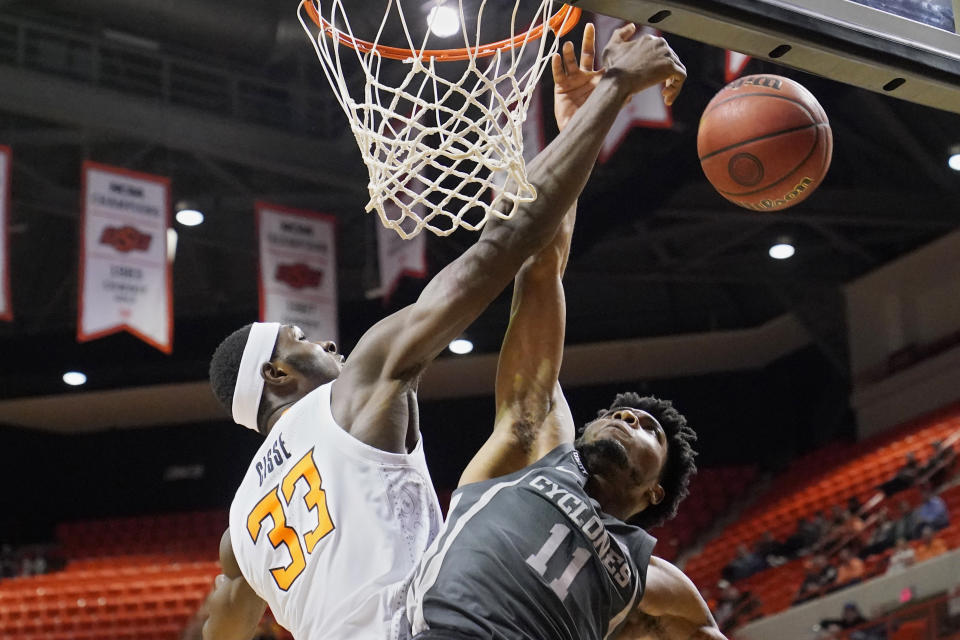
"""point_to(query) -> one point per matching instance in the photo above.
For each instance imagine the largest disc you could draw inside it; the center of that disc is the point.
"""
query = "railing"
(936, 619)
(244, 94)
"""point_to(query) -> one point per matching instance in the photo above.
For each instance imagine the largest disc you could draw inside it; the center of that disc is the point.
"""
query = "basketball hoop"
(447, 137)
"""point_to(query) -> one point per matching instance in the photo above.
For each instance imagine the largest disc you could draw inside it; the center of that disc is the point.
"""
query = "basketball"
(765, 143)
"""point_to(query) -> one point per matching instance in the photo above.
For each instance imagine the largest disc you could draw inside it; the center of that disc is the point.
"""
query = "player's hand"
(572, 82)
(643, 63)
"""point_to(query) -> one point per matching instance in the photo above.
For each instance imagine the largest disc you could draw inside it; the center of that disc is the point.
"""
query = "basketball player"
(546, 551)
(337, 506)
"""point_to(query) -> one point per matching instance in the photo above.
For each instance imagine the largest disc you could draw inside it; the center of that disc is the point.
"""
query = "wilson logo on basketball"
(769, 204)
(299, 276)
(125, 239)
(769, 82)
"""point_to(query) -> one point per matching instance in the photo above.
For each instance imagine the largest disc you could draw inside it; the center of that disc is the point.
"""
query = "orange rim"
(561, 23)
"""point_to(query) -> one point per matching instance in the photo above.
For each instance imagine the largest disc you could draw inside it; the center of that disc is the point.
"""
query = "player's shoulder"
(562, 461)
(564, 456)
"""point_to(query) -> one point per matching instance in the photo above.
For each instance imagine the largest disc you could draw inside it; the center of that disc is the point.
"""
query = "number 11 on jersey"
(538, 561)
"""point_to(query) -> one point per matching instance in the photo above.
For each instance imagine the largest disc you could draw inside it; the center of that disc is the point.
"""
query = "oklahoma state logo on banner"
(125, 276)
(125, 239)
(298, 269)
(299, 276)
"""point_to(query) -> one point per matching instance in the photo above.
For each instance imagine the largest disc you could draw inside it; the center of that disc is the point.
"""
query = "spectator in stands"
(726, 603)
(733, 606)
(804, 536)
(845, 527)
(853, 505)
(9, 567)
(851, 617)
(744, 565)
(821, 575)
(929, 547)
(932, 511)
(770, 549)
(906, 524)
(883, 536)
(904, 477)
(850, 570)
(939, 465)
(903, 557)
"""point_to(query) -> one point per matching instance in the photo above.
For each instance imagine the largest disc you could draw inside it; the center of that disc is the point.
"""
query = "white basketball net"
(434, 147)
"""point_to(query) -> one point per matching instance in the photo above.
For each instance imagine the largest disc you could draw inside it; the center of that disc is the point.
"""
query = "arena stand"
(125, 578)
(712, 493)
(145, 578)
(817, 482)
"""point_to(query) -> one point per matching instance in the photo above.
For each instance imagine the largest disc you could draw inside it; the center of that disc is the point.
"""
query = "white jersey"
(328, 530)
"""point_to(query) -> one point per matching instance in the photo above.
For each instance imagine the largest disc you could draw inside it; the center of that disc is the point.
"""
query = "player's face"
(626, 450)
(316, 362)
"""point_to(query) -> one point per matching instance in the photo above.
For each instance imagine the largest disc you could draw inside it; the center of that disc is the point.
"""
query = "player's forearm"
(532, 347)
(235, 610)
(235, 626)
(551, 261)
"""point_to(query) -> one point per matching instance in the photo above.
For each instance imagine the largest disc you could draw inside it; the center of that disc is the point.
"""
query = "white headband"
(246, 395)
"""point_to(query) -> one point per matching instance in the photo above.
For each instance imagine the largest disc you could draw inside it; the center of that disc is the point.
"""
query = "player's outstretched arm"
(391, 355)
(235, 609)
(671, 608)
(531, 413)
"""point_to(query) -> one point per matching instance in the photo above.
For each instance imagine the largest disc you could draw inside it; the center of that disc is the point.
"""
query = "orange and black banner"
(125, 273)
(298, 269)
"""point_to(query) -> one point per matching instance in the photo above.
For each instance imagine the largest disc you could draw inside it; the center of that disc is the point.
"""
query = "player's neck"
(275, 414)
(610, 503)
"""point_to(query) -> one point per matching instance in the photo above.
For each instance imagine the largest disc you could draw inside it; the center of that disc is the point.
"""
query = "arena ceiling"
(232, 107)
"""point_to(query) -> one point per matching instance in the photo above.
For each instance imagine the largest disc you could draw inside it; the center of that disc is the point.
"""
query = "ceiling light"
(782, 250)
(189, 217)
(443, 21)
(954, 161)
(74, 378)
(460, 346)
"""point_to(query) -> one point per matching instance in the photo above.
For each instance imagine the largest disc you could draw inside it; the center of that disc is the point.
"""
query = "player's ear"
(656, 494)
(275, 374)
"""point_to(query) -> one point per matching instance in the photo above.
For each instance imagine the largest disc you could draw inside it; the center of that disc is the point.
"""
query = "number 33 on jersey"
(276, 505)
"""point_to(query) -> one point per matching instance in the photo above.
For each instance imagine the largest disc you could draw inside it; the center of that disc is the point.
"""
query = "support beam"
(320, 162)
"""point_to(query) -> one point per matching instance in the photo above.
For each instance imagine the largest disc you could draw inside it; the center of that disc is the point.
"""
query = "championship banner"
(734, 66)
(125, 277)
(6, 310)
(398, 257)
(298, 269)
(645, 109)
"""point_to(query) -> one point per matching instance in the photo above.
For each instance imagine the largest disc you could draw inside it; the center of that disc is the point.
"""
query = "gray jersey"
(530, 556)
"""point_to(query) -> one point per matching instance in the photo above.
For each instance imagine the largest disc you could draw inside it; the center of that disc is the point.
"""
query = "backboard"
(909, 49)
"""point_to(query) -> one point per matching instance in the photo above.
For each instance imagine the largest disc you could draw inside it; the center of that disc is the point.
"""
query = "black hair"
(679, 467)
(225, 365)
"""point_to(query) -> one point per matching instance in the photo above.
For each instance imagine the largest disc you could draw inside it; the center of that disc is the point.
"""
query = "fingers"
(556, 65)
(674, 84)
(569, 56)
(625, 32)
(588, 48)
